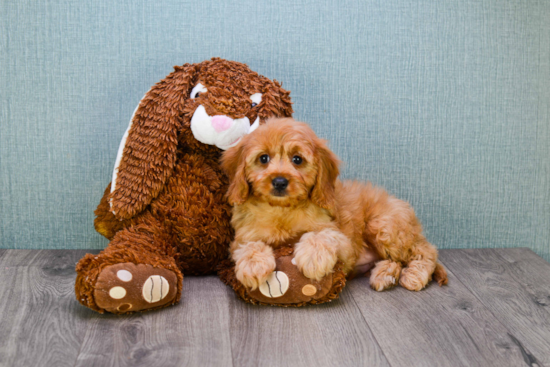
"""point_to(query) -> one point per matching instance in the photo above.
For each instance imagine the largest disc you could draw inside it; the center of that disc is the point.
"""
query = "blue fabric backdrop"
(445, 103)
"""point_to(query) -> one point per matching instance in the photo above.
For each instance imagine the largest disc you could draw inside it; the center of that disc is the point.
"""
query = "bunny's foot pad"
(287, 286)
(127, 287)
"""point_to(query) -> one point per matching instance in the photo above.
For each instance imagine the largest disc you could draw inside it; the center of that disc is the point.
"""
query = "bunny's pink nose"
(221, 123)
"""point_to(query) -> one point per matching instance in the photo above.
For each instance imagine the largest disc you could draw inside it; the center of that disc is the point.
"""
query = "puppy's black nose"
(279, 183)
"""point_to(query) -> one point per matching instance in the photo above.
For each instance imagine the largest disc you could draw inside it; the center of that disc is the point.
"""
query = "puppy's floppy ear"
(233, 163)
(147, 152)
(323, 193)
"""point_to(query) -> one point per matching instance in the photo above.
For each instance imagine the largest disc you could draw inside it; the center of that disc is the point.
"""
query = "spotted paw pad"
(287, 285)
(128, 287)
(275, 285)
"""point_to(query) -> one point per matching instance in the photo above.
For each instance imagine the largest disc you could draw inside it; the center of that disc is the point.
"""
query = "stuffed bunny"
(164, 211)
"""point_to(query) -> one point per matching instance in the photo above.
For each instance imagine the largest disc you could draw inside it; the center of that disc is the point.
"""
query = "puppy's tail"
(440, 275)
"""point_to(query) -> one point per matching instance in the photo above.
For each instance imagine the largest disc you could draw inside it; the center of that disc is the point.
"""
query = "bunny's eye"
(199, 88)
(264, 158)
(256, 98)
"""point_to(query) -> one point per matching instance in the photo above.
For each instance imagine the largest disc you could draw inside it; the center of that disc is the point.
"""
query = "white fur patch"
(199, 88)
(255, 125)
(256, 98)
(203, 130)
(121, 150)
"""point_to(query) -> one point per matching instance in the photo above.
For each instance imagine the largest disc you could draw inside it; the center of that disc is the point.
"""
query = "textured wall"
(445, 103)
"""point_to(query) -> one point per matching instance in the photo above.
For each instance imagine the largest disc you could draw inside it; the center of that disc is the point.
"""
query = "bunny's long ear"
(147, 152)
(277, 101)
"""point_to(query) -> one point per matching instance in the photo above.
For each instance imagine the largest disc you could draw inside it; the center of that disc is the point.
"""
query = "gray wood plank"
(193, 333)
(41, 323)
(333, 334)
(12, 257)
(21, 257)
(515, 286)
(529, 269)
(11, 300)
(494, 312)
(439, 326)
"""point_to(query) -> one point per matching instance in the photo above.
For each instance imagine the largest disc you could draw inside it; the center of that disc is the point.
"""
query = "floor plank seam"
(510, 334)
(370, 329)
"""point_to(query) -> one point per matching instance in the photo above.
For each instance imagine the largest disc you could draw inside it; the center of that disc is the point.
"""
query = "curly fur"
(337, 221)
(168, 207)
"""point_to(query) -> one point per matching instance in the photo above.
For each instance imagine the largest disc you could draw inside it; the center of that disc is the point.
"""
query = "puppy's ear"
(323, 193)
(147, 152)
(233, 164)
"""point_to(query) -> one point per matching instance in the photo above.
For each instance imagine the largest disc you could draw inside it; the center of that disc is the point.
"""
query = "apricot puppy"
(284, 186)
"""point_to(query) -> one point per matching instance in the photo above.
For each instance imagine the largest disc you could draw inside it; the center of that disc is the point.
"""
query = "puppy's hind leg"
(385, 275)
(440, 275)
(393, 229)
(422, 264)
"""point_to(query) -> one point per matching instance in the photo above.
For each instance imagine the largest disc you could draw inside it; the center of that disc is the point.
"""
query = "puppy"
(284, 187)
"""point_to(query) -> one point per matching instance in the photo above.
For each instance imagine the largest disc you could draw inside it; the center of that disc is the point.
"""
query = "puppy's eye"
(254, 104)
(297, 160)
(264, 158)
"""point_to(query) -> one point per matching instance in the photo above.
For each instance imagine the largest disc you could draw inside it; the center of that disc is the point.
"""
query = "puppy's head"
(283, 163)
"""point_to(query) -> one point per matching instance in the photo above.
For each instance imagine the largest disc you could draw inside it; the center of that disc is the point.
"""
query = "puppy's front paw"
(254, 262)
(314, 256)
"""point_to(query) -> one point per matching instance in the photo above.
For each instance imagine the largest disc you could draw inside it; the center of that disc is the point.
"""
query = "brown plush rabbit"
(165, 211)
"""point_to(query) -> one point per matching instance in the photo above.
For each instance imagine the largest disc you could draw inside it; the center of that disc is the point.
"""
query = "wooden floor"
(495, 312)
